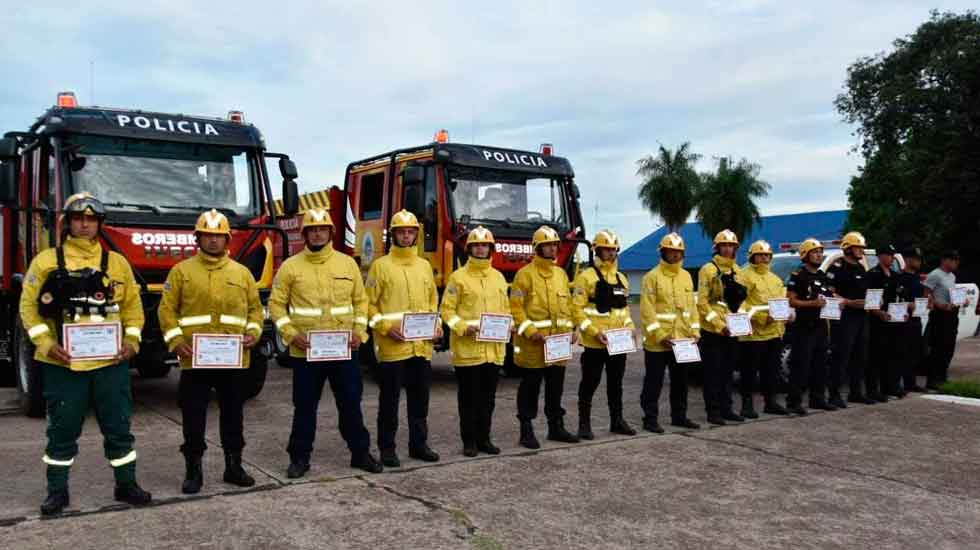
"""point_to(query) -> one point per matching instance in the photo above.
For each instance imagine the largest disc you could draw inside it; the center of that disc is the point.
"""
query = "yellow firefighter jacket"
(711, 300)
(474, 289)
(127, 308)
(588, 319)
(762, 285)
(209, 295)
(318, 291)
(399, 283)
(539, 302)
(667, 307)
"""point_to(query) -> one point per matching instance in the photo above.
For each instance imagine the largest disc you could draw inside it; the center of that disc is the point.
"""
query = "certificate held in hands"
(217, 351)
(494, 328)
(92, 341)
(958, 296)
(921, 307)
(419, 326)
(779, 309)
(686, 350)
(874, 298)
(898, 312)
(831, 309)
(558, 347)
(620, 341)
(738, 324)
(328, 345)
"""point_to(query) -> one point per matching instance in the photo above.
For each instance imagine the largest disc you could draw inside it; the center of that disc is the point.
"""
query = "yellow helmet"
(726, 236)
(853, 239)
(316, 217)
(479, 235)
(809, 246)
(544, 235)
(605, 239)
(672, 241)
(213, 222)
(759, 247)
(404, 218)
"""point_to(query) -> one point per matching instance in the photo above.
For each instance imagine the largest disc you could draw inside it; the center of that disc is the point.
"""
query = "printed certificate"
(92, 341)
(779, 309)
(921, 307)
(328, 345)
(831, 310)
(217, 351)
(686, 350)
(739, 324)
(494, 327)
(558, 347)
(898, 312)
(419, 326)
(620, 341)
(874, 298)
(957, 296)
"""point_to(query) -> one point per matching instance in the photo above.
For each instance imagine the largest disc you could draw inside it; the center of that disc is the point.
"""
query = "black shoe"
(390, 458)
(56, 502)
(797, 409)
(653, 426)
(194, 477)
(132, 494)
(775, 408)
(424, 453)
(620, 426)
(731, 416)
(862, 399)
(686, 423)
(487, 447)
(879, 397)
(365, 461)
(470, 450)
(822, 406)
(234, 473)
(557, 432)
(749, 413)
(916, 389)
(528, 438)
(716, 419)
(585, 422)
(837, 401)
(298, 468)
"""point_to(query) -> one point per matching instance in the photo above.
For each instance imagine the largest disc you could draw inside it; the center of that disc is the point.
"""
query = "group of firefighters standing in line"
(322, 289)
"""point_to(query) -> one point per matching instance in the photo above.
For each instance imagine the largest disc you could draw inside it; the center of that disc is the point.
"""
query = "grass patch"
(962, 388)
(481, 542)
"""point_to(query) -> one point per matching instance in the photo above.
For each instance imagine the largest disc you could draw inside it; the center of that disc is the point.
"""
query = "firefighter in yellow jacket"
(106, 291)
(399, 283)
(760, 352)
(668, 313)
(541, 306)
(211, 294)
(475, 289)
(600, 298)
(719, 294)
(321, 289)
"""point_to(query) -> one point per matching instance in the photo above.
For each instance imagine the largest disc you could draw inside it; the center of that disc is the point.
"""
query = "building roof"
(784, 228)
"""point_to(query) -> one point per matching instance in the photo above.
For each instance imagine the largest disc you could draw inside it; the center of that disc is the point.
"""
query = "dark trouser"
(808, 362)
(881, 374)
(761, 360)
(943, 326)
(530, 389)
(193, 395)
(415, 375)
(656, 362)
(476, 394)
(910, 352)
(718, 354)
(68, 395)
(593, 361)
(346, 385)
(849, 349)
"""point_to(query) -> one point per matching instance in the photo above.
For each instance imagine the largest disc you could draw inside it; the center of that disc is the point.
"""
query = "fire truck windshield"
(502, 197)
(129, 174)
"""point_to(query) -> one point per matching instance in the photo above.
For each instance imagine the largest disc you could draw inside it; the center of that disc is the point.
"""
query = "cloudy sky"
(329, 82)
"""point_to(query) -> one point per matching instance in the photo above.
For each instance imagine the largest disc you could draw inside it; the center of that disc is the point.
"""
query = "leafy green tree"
(726, 199)
(670, 184)
(917, 111)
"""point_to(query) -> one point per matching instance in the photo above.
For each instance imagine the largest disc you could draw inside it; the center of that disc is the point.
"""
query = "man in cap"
(910, 341)
(944, 321)
(881, 374)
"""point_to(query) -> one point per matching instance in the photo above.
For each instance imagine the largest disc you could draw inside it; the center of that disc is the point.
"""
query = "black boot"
(132, 494)
(716, 419)
(585, 422)
(651, 425)
(797, 408)
(557, 431)
(55, 503)
(837, 401)
(619, 425)
(730, 415)
(469, 449)
(424, 453)
(298, 466)
(686, 423)
(773, 407)
(748, 409)
(528, 438)
(234, 473)
(821, 405)
(390, 458)
(364, 461)
(486, 446)
(194, 478)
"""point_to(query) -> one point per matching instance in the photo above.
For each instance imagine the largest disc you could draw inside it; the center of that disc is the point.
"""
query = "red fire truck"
(156, 173)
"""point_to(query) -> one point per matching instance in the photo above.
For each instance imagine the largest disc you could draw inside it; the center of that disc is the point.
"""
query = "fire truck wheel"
(30, 378)
(255, 374)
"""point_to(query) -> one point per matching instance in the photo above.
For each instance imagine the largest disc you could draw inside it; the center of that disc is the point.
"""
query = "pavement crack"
(459, 517)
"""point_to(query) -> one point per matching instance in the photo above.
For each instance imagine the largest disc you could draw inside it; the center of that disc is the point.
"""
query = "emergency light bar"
(67, 100)
(547, 149)
(442, 136)
(236, 116)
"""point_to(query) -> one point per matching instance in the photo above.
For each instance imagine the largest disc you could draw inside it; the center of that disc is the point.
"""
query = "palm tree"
(670, 184)
(726, 199)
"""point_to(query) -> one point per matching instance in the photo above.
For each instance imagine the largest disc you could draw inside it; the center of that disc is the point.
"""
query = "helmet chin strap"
(316, 247)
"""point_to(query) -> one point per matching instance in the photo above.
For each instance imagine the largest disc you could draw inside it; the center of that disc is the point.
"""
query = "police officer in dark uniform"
(909, 342)
(806, 290)
(848, 336)
(881, 372)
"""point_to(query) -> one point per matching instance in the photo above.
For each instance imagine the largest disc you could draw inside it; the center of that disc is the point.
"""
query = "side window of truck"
(371, 196)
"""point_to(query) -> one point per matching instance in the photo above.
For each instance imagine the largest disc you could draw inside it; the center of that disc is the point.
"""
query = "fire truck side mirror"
(290, 197)
(413, 174)
(8, 170)
(8, 149)
(288, 169)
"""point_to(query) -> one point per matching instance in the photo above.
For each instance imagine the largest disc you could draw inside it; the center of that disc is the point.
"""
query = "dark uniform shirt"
(909, 287)
(847, 279)
(888, 283)
(807, 286)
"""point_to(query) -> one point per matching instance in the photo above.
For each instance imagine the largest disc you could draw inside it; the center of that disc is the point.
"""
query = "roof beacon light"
(547, 149)
(67, 100)
(236, 116)
(442, 136)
